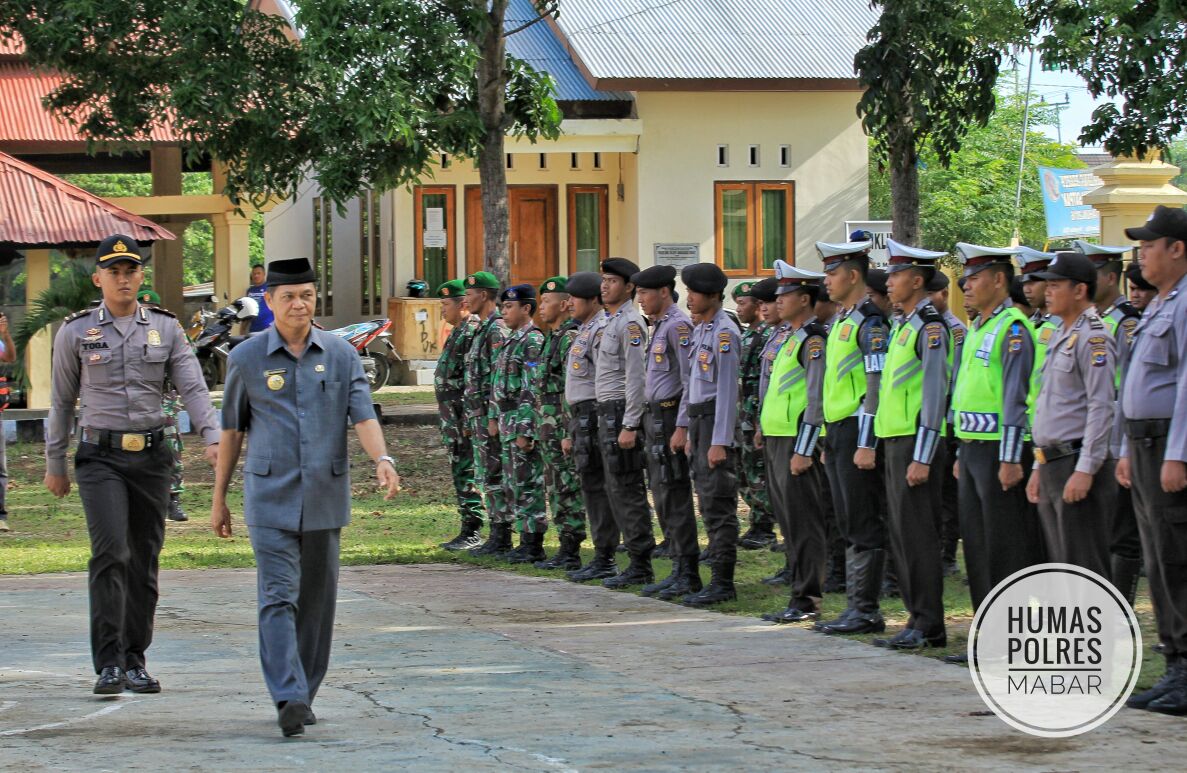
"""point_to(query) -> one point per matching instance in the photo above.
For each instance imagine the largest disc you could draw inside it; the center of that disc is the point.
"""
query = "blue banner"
(1063, 192)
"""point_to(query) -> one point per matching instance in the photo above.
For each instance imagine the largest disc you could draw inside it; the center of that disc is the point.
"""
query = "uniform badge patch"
(958, 336)
(846, 332)
(1045, 335)
(1099, 357)
(902, 337)
(275, 382)
(634, 334)
(723, 342)
(319, 368)
(815, 349)
(933, 340)
(154, 338)
(95, 357)
(94, 331)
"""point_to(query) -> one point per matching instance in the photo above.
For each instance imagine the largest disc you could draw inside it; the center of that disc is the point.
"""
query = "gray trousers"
(798, 504)
(717, 489)
(914, 537)
(297, 587)
(1077, 533)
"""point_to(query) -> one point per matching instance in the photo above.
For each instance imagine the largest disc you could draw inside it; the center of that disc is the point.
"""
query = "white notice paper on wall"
(422, 315)
(435, 239)
(434, 219)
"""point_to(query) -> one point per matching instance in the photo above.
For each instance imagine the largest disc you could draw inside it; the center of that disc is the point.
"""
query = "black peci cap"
(939, 281)
(291, 271)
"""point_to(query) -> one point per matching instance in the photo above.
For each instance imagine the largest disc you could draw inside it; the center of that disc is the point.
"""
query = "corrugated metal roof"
(24, 119)
(38, 209)
(538, 46)
(706, 39)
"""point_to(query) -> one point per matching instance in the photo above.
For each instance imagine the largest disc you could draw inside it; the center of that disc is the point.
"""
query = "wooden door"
(533, 239)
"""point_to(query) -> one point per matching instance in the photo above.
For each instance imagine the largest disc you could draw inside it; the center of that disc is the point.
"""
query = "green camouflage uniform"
(752, 483)
(449, 380)
(488, 467)
(560, 474)
(513, 405)
(171, 406)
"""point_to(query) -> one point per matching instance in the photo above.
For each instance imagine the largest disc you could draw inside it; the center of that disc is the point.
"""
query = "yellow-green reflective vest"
(787, 391)
(977, 397)
(900, 394)
(844, 368)
(1042, 337)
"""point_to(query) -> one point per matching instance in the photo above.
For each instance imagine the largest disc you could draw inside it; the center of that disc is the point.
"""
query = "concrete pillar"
(232, 258)
(169, 265)
(38, 354)
(1131, 188)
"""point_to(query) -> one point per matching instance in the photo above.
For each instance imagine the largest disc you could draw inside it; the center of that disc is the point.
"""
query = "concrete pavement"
(442, 667)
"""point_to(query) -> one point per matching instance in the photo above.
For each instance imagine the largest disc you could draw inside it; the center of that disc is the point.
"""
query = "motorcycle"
(210, 332)
(369, 335)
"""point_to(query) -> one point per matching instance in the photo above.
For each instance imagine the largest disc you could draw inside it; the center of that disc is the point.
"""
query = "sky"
(1057, 87)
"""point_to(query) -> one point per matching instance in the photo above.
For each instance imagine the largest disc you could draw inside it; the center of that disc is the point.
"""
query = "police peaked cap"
(116, 248)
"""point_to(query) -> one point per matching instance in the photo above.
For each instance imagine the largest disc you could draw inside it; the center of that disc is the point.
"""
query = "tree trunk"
(904, 193)
(492, 169)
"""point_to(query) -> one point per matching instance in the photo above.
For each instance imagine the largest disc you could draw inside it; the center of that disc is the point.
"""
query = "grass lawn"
(50, 535)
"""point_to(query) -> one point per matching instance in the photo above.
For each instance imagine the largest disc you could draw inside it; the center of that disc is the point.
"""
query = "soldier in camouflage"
(513, 419)
(752, 480)
(560, 474)
(449, 381)
(482, 292)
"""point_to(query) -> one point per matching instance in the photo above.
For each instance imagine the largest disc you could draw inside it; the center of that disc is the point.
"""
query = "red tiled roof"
(38, 209)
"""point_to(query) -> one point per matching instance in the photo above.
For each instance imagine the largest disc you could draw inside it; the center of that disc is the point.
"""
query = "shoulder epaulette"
(1127, 309)
(870, 311)
(815, 328)
(79, 314)
(929, 314)
(159, 310)
(1095, 323)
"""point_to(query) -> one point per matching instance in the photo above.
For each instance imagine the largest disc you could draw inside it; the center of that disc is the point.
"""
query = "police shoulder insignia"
(815, 348)
(958, 335)
(634, 333)
(1097, 341)
(1099, 354)
(723, 341)
(159, 310)
(1014, 340)
(934, 337)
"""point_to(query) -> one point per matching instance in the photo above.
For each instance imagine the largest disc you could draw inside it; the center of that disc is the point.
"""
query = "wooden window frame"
(571, 192)
(450, 192)
(753, 189)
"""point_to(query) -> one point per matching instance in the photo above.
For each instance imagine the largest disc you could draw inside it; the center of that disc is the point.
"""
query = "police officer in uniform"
(856, 354)
(949, 514)
(117, 357)
(910, 425)
(667, 469)
(449, 381)
(585, 293)
(791, 419)
(989, 404)
(1073, 419)
(1154, 452)
(620, 383)
(710, 411)
(1141, 292)
(753, 480)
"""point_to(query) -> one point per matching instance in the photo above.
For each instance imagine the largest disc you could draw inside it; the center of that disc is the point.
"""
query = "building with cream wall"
(756, 155)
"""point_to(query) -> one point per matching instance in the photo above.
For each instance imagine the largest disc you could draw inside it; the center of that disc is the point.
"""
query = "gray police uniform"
(619, 385)
(1073, 418)
(118, 367)
(667, 374)
(1154, 408)
(948, 511)
(580, 396)
(711, 404)
(1125, 542)
(296, 492)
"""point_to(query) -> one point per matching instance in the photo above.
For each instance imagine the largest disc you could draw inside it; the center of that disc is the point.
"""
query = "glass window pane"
(774, 227)
(436, 259)
(587, 217)
(734, 230)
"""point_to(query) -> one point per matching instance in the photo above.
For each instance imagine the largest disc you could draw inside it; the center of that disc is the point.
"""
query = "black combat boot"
(637, 572)
(719, 589)
(499, 541)
(665, 583)
(531, 549)
(1125, 573)
(869, 566)
(1174, 700)
(1173, 679)
(662, 550)
(687, 582)
(175, 512)
(469, 537)
(601, 567)
(781, 577)
(757, 538)
(512, 553)
(568, 557)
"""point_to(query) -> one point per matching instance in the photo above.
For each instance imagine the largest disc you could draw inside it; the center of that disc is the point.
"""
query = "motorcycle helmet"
(418, 288)
(249, 308)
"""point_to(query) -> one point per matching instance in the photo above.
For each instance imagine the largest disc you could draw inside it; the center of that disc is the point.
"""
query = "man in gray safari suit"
(292, 391)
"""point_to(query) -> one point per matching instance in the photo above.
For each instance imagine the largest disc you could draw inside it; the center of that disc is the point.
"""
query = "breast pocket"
(1062, 361)
(254, 465)
(153, 363)
(705, 365)
(611, 344)
(579, 367)
(1155, 342)
(660, 360)
(96, 368)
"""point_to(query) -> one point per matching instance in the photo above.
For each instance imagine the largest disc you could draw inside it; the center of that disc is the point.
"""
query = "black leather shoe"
(858, 622)
(310, 717)
(777, 547)
(139, 680)
(291, 718)
(531, 549)
(1173, 702)
(959, 659)
(820, 625)
(892, 640)
(790, 615)
(467, 539)
(915, 640)
(1165, 686)
(110, 681)
(568, 557)
(665, 583)
(499, 541)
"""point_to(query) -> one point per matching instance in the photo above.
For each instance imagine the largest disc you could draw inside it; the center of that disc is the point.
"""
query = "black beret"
(522, 293)
(876, 280)
(764, 291)
(585, 284)
(292, 271)
(704, 278)
(620, 267)
(1134, 275)
(1016, 294)
(939, 281)
(655, 277)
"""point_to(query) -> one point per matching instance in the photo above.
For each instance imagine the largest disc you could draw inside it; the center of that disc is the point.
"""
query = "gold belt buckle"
(130, 442)
(1040, 456)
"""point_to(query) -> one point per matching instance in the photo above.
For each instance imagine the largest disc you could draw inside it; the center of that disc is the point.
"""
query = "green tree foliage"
(71, 290)
(928, 74)
(1133, 49)
(373, 92)
(972, 198)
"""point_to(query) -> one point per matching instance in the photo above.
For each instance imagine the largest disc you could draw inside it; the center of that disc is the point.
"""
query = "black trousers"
(671, 486)
(914, 539)
(948, 514)
(1077, 533)
(587, 458)
(858, 495)
(125, 496)
(717, 490)
(1000, 529)
(624, 482)
(799, 509)
(1125, 539)
(1162, 519)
